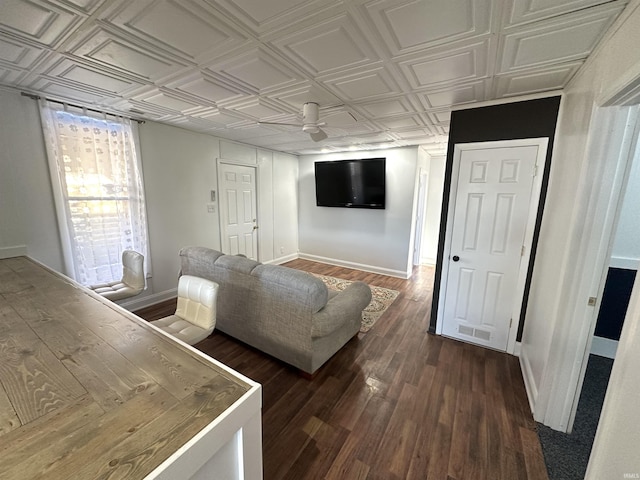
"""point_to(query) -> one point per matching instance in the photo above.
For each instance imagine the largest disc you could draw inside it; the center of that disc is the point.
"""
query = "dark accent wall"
(510, 121)
(615, 300)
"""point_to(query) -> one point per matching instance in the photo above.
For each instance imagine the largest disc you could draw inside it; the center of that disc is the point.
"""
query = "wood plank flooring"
(394, 403)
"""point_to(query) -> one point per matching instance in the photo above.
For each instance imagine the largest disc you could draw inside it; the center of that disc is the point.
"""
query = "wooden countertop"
(89, 391)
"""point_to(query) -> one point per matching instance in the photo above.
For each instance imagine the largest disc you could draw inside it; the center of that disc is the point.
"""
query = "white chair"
(132, 282)
(195, 317)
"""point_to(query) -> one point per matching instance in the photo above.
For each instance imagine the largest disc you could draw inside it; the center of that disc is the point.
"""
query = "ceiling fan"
(311, 124)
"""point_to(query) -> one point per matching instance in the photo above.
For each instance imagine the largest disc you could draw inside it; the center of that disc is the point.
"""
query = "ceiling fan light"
(310, 128)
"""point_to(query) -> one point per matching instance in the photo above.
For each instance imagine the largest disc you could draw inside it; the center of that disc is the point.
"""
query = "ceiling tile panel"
(297, 96)
(88, 75)
(258, 71)
(401, 122)
(364, 85)
(220, 117)
(559, 40)
(18, 54)
(328, 46)
(9, 76)
(410, 25)
(263, 17)
(68, 92)
(106, 48)
(441, 117)
(257, 109)
(167, 101)
(359, 128)
(522, 83)
(83, 6)
(207, 88)
(474, 92)
(461, 64)
(414, 133)
(185, 28)
(36, 20)
(524, 11)
(386, 108)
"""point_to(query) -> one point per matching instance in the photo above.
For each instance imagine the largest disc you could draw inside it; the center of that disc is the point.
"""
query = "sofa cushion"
(302, 287)
(236, 263)
(198, 258)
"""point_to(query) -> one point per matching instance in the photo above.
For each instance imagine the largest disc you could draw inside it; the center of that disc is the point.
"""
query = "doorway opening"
(567, 454)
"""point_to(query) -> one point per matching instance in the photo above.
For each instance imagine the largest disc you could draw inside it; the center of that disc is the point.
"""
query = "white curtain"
(98, 189)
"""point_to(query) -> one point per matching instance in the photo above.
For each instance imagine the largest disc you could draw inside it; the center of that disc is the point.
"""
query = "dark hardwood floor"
(394, 403)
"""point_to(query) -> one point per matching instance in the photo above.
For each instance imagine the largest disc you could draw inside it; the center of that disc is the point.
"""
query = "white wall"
(547, 315)
(27, 216)
(285, 203)
(431, 229)
(179, 169)
(615, 447)
(374, 240)
(626, 245)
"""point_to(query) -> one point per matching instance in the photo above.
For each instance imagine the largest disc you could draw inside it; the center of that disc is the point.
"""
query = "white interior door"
(238, 209)
(490, 220)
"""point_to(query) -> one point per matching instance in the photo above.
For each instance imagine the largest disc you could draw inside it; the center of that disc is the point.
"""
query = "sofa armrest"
(348, 304)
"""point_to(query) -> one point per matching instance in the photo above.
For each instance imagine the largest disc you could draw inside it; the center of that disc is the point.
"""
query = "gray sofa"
(286, 313)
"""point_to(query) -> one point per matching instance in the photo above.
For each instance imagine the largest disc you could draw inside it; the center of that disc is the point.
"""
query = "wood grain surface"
(88, 391)
(396, 403)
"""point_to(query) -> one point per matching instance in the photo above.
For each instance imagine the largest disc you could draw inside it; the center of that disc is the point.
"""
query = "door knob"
(455, 258)
(255, 227)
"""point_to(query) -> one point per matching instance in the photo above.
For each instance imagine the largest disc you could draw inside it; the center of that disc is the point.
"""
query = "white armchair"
(132, 282)
(195, 316)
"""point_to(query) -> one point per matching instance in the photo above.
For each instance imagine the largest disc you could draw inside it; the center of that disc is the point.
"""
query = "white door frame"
(542, 144)
(423, 189)
(220, 161)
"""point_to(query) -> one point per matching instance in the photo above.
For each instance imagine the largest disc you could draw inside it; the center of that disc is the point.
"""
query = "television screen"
(351, 183)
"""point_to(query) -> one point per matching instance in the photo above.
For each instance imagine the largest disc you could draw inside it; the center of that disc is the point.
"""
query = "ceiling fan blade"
(319, 135)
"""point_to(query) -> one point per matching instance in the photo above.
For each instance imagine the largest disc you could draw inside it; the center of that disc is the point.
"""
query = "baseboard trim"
(13, 251)
(281, 260)
(624, 262)
(427, 261)
(604, 347)
(356, 266)
(148, 300)
(529, 382)
(517, 349)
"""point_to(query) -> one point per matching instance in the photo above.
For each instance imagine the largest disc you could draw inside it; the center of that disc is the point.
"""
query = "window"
(97, 184)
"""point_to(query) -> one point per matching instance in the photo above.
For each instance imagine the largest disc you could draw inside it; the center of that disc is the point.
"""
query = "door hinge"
(535, 170)
(510, 322)
(522, 251)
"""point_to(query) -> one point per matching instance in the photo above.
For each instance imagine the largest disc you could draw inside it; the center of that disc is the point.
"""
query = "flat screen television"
(351, 183)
